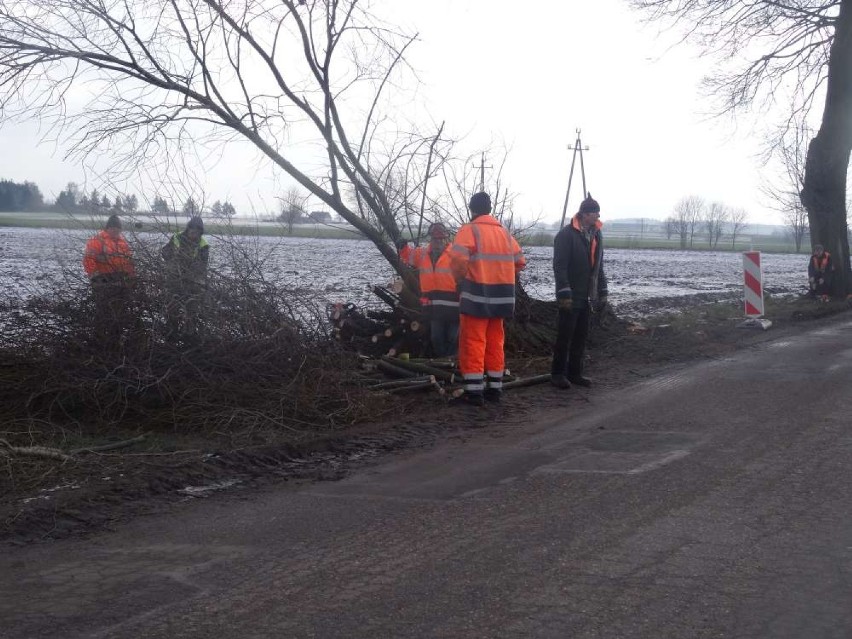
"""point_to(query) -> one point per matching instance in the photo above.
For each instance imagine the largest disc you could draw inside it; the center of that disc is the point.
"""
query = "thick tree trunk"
(824, 192)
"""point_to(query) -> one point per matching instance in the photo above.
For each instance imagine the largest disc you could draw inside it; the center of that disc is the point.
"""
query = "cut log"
(386, 296)
(436, 363)
(411, 386)
(395, 371)
(423, 369)
(527, 381)
(401, 382)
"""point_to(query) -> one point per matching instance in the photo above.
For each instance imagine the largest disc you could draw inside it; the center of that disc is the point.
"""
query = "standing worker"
(108, 262)
(580, 285)
(820, 272)
(439, 294)
(186, 256)
(485, 260)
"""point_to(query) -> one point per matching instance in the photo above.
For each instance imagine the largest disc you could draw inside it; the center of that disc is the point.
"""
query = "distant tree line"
(20, 197)
(26, 196)
(694, 218)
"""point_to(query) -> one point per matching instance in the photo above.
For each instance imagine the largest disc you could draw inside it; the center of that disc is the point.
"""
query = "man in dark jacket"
(580, 286)
(186, 256)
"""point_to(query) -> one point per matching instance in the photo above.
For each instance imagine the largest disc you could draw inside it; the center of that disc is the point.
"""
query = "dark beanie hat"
(589, 205)
(437, 230)
(113, 222)
(480, 204)
(195, 223)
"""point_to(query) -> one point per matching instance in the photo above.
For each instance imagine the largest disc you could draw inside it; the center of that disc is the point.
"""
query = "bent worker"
(186, 256)
(580, 286)
(108, 262)
(438, 291)
(820, 273)
(485, 259)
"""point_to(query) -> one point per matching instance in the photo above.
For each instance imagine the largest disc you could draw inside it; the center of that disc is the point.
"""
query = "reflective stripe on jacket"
(106, 256)
(186, 260)
(486, 259)
(191, 250)
(438, 289)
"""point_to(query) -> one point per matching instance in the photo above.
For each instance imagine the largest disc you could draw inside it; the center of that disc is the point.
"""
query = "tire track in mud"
(86, 505)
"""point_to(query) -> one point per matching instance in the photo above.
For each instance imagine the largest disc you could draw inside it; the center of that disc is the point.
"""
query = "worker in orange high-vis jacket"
(580, 288)
(485, 260)
(108, 261)
(439, 293)
(820, 272)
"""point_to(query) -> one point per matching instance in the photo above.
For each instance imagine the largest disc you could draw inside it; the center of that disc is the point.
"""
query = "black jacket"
(572, 264)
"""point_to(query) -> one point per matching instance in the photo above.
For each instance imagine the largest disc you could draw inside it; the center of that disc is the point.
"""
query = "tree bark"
(824, 191)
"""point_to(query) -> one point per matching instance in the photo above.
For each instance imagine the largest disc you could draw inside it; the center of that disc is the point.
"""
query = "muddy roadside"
(44, 498)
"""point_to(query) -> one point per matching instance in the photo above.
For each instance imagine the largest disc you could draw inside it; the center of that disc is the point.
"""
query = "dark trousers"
(112, 297)
(444, 335)
(821, 289)
(571, 342)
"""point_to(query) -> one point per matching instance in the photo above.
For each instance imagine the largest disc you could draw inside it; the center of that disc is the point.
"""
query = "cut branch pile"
(388, 331)
(258, 358)
(394, 342)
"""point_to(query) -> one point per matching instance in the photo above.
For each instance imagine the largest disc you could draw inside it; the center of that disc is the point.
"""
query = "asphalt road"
(713, 501)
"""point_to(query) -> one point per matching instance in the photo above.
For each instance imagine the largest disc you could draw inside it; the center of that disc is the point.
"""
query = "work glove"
(565, 303)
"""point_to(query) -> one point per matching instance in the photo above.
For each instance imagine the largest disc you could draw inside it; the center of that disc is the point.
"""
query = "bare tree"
(462, 178)
(169, 74)
(670, 227)
(784, 191)
(714, 222)
(292, 208)
(680, 225)
(687, 216)
(737, 219)
(785, 52)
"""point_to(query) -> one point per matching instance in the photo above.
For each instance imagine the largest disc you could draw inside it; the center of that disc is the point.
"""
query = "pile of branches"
(257, 358)
(390, 330)
(397, 329)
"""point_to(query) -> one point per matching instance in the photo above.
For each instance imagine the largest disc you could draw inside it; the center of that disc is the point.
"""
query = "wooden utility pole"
(578, 149)
(482, 168)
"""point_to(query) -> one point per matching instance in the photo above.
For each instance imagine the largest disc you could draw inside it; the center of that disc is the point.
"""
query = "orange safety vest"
(486, 259)
(405, 254)
(821, 264)
(438, 288)
(106, 256)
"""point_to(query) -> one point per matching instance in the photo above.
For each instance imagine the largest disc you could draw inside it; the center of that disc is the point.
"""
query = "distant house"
(320, 217)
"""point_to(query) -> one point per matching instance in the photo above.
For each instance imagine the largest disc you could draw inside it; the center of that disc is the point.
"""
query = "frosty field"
(345, 270)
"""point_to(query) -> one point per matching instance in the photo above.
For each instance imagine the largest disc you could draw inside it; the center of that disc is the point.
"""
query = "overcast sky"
(528, 75)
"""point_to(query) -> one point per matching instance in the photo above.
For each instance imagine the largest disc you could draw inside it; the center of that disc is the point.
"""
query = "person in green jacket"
(186, 256)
